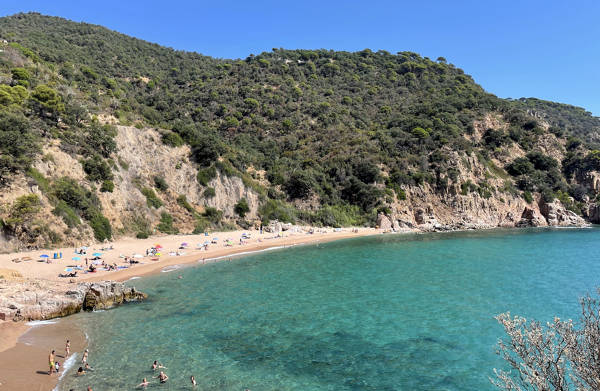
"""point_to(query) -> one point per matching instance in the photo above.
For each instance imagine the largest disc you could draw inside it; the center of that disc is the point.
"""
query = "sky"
(545, 49)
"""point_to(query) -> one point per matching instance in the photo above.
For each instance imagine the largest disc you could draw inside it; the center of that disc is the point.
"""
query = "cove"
(390, 312)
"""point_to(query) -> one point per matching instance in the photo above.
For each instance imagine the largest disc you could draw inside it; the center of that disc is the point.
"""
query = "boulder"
(531, 218)
(594, 213)
(384, 222)
(557, 215)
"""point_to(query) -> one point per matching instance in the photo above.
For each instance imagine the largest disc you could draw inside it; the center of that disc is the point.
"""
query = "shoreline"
(17, 355)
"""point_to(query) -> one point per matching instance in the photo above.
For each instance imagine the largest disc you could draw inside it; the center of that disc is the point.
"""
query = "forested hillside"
(316, 136)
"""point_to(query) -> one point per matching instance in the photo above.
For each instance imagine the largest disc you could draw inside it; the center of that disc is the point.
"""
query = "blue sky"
(546, 49)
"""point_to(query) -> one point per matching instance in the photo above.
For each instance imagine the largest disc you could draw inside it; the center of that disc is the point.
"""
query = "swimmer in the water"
(162, 377)
(144, 383)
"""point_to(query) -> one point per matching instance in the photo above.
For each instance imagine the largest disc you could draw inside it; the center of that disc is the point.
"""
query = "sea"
(387, 312)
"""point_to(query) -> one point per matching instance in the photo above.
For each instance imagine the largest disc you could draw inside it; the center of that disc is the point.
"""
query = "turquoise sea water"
(392, 312)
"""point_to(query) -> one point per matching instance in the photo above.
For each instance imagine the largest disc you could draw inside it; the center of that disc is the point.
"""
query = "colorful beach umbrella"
(184, 244)
(97, 254)
(44, 256)
(76, 258)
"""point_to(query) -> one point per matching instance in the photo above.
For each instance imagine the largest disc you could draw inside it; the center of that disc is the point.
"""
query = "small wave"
(36, 323)
(248, 252)
(134, 278)
(68, 364)
(170, 269)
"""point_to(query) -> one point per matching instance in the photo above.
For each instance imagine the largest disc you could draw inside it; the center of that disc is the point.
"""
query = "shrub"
(183, 202)
(241, 208)
(205, 175)
(101, 227)
(67, 213)
(527, 197)
(151, 199)
(166, 224)
(172, 139)
(276, 210)
(107, 186)
(97, 169)
(209, 192)
(213, 215)
(160, 184)
(142, 235)
(299, 185)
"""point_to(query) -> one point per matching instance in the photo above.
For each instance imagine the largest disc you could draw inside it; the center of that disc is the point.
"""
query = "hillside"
(104, 135)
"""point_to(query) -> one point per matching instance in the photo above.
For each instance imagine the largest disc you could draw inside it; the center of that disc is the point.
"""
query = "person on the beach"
(88, 368)
(51, 362)
(85, 357)
(144, 383)
(193, 380)
(89, 388)
(57, 366)
(80, 371)
(67, 348)
(162, 377)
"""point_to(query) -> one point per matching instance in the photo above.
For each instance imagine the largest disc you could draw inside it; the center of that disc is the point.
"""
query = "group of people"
(55, 365)
(162, 376)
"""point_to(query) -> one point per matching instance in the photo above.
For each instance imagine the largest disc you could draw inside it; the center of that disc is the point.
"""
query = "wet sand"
(24, 366)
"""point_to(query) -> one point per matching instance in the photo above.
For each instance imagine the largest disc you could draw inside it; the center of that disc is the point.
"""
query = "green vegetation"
(209, 192)
(151, 199)
(166, 224)
(326, 128)
(241, 208)
(160, 183)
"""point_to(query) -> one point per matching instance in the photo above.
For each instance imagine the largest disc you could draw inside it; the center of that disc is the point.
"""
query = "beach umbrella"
(184, 244)
(84, 247)
(76, 258)
(138, 256)
(206, 242)
(97, 254)
(44, 256)
(157, 246)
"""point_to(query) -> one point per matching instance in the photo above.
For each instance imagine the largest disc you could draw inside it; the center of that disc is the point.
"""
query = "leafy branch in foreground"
(560, 356)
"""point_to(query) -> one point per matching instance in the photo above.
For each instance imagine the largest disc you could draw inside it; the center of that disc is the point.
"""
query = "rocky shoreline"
(537, 214)
(28, 299)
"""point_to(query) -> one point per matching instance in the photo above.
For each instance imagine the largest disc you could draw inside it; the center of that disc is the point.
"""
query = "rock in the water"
(531, 218)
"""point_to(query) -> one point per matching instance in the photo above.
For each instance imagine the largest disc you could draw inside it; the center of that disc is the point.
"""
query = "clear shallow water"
(410, 312)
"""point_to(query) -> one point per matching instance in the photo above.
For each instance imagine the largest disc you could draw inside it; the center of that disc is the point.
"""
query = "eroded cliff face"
(141, 156)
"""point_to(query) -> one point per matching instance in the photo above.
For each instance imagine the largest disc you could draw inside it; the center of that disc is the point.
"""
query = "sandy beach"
(24, 350)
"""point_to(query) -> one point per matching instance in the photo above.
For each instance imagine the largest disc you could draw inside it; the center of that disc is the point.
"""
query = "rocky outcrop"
(39, 299)
(594, 214)
(383, 222)
(557, 215)
(531, 218)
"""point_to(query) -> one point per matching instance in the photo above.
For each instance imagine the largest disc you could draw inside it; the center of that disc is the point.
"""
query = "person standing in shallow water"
(67, 348)
(193, 380)
(51, 362)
